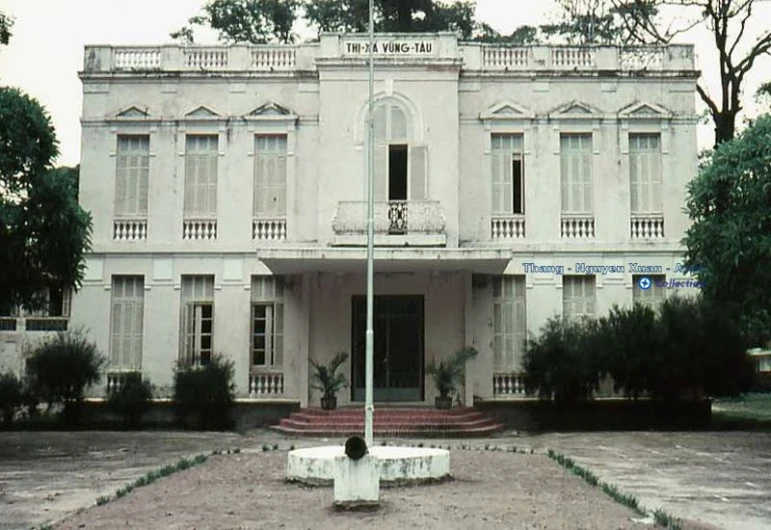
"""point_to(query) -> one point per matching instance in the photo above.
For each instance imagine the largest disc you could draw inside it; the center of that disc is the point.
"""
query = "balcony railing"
(647, 226)
(199, 229)
(269, 229)
(129, 229)
(266, 383)
(285, 58)
(508, 385)
(577, 226)
(392, 218)
(508, 227)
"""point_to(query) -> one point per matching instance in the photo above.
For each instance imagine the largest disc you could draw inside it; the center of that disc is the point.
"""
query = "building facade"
(228, 190)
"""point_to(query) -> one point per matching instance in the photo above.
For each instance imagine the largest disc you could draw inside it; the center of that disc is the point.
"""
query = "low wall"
(598, 415)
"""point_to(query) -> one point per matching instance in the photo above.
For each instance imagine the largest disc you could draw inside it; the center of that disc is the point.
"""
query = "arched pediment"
(399, 105)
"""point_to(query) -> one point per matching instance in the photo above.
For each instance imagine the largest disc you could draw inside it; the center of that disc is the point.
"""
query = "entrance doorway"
(398, 349)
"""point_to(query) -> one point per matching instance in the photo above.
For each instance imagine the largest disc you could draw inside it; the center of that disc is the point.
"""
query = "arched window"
(401, 164)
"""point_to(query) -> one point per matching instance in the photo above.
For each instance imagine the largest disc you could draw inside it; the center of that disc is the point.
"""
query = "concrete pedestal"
(357, 482)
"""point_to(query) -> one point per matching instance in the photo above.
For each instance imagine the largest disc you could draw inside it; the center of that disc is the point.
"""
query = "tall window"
(578, 296)
(132, 174)
(126, 323)
(508, 174)
(509, 322)
(267, 321)
(401, 166)
(650, 292)
(201, 155)
(645, 173)
(576, 173)
(270, 176)
(197, 328)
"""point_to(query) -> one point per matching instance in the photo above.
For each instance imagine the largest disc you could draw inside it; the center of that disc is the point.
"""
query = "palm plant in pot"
(447, 375)
(328, 381)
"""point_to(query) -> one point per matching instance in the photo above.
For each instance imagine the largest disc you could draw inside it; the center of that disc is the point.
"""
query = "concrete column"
(468, 319)
(306, 332)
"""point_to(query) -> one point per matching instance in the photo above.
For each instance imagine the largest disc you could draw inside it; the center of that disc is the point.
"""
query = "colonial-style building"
(228, 190)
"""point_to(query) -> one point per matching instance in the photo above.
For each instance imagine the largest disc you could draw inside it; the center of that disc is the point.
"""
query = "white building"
(228, 189)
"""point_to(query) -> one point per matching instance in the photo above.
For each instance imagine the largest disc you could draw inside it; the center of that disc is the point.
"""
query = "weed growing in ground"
(630, 501)
(152, 476)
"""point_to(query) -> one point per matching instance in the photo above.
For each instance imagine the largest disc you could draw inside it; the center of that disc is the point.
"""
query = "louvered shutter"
(381, 172)
(418, 172)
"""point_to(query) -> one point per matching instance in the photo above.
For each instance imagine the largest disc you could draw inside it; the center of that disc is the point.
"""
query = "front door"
(398, 348)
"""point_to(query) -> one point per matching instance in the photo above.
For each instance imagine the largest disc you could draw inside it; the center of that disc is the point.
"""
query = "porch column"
(305, 332)
(468, 323)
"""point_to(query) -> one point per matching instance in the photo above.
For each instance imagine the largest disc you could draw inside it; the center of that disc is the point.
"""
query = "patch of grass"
(750, 410)
(45, 527)
(630, 501)
(152, 476)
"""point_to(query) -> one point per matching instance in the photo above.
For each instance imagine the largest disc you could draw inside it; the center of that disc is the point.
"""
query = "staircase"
(392, 422)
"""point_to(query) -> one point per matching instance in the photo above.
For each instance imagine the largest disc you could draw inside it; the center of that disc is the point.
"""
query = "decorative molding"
(576, 110)
(272, 112)
(644, 110)
(507, 110)
(203, 113)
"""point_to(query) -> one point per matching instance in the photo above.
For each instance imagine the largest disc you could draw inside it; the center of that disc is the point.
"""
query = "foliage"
(6, 23)
(265, 21)
(629, 336)
(448, 372)
(691, 349)
(61, 368)
(152, 476)
(131, 399)
(702, 352)
(329, 382)
(584, 22)
(11, 396)
(205, 392)
(44, 233)
(562, 363)
(245, 21)
(729, 241)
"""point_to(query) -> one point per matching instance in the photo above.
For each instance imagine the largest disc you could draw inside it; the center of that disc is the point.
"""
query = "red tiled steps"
(396, 422)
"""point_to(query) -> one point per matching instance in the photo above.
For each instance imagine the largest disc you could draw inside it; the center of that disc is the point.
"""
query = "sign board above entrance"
(390, 48)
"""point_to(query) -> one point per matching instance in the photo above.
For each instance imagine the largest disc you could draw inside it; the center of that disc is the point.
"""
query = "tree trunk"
(725, 124)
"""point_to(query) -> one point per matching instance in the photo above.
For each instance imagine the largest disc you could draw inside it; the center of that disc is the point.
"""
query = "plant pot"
(443, 402)
(329, 403)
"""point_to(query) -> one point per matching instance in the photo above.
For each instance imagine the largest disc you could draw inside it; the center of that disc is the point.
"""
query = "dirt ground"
(491, 491)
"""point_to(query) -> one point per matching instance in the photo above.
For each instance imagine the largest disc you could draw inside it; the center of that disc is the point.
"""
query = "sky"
(46, 49)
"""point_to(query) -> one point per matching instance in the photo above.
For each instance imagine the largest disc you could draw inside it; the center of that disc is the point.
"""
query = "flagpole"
(369, 409)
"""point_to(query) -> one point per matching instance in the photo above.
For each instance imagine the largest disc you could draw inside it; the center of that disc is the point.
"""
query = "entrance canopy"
(297, 261)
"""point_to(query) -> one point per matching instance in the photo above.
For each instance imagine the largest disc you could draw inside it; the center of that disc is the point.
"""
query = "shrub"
(563, 362)
(205, 392)
(61, 368)
(447, 373)
(11, 397)
(131, 399)
(629, 338)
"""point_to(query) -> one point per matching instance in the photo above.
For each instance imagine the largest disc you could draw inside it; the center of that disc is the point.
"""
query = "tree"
(729, 242)
(245, 21)
(44, 233)
(264, 21)
(6, 23)
(584, 22)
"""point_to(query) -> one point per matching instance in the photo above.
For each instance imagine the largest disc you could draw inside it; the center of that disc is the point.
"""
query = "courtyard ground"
(719, 479)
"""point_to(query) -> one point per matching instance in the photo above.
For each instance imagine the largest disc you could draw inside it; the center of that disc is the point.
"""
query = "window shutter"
(260, 189)
(497, 162)
(418, 172)
(586, 176)
(380, 176)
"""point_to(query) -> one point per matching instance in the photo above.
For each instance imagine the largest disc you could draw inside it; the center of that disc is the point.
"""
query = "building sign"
(390, 47)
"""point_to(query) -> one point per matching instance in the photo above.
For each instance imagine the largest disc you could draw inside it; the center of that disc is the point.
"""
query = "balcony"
(650, 226)
(397, 223)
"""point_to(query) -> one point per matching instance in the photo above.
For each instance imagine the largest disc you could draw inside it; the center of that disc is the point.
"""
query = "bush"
(562, 363)
(61, 368)
(11, 397)
(131, 399)
(629, 337)
(205, 392)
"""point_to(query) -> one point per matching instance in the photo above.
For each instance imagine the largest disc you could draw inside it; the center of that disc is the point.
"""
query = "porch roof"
(296, 260)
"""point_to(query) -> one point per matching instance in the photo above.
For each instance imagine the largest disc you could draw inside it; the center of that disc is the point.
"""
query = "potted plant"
(447, 374)
(329, 381)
